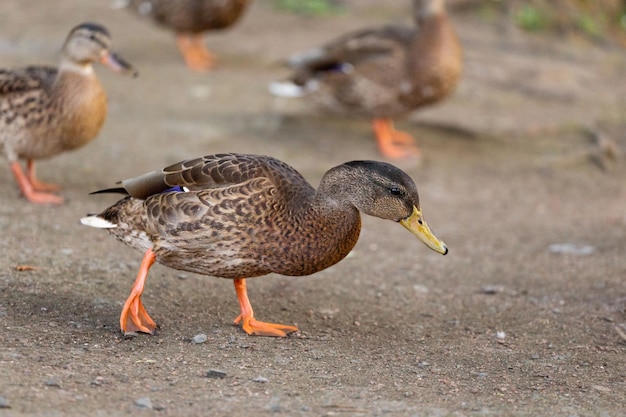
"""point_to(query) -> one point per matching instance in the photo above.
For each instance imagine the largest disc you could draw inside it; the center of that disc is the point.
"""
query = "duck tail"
(291, 89)
(116, 190)
(94, 220)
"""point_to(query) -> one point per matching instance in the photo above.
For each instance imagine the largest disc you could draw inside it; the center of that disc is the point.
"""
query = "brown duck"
(242, 216)
(382, 73)
(190, 19)
(45, 111)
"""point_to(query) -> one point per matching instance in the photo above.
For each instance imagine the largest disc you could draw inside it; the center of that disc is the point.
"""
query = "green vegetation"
(310, 7)
(531, 19)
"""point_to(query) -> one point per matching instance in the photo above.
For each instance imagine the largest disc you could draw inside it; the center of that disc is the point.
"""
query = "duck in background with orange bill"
(382, 73)
(45, 110)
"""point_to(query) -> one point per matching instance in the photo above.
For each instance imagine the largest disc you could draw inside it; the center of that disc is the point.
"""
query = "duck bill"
(415, 224)
(117, 64)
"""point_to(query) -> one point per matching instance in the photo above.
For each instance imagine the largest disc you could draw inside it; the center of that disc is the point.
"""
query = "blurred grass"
(596, 20)
(592, 19)
(311, 7)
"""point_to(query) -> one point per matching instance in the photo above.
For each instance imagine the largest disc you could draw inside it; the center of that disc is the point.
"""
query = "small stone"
(421, 289)
(199, 338)
(53, 383)
(215, 373)
(260, 379)
(4, 403)
(571, 249)
(501, 335)
(182, 277)
(144, 403)
(601, 388)
(491, 289)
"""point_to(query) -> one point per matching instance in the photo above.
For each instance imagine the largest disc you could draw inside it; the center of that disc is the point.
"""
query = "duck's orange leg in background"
(28, 189)
(195, 53)
(250, 325)
(32, 177)
(393, 143)
(134, 317)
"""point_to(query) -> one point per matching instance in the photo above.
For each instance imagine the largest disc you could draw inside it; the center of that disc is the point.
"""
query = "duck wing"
(208, 193)
(363, 51)
(23, 80)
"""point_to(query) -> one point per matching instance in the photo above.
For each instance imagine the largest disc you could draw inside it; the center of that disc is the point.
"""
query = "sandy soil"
(519, 159)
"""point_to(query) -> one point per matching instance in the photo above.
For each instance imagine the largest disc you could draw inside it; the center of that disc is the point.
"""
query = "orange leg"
(38, 185)
(134, 317)
(29, 191)
(393, 143)
(197, 57)
(252, 326)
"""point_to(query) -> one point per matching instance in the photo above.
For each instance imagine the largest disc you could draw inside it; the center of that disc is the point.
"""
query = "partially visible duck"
(382, 73)
(45, 111)
(241, 216)
(190, 19)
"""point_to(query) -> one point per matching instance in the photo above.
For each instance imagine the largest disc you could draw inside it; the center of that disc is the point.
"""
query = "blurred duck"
(190, 19)
(241, 216)
(382, 73)
(45, 111)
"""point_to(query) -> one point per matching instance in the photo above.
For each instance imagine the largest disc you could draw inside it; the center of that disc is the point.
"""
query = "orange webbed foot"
(134, 317)
(259, 328)
(35, 183)
(196, 56)
(393, 143)
(43, 198)
(43, 186)
(252, 326)
(27, 188)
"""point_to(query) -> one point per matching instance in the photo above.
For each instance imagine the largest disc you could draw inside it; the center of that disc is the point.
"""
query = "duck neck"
(427, 9)
(331, 227)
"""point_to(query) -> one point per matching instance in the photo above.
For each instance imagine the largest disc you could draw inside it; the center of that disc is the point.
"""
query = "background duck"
(382, 73)
(190, 19)
(241, 216)
(45, 111)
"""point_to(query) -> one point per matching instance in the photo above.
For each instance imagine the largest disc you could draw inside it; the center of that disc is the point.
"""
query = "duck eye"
(395, 191)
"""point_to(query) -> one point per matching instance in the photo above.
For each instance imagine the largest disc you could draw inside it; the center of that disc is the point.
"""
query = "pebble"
(53, 383)
(601, 388)
(215, 373)
(421, 289)
(491, 289)
(571, 249)
(261, 379)
(501, 335)
(199, 338)
(4, 403)
(144, 403)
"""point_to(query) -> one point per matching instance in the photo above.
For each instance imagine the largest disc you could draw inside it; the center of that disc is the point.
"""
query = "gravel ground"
(522, 177)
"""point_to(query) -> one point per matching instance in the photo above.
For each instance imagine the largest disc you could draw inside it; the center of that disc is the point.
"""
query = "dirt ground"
(522, 177)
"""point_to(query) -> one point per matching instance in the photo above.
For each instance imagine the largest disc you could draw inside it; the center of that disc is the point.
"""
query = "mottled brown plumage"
(383, 73)
(241, 216)
(45, 111)
(190, 19)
